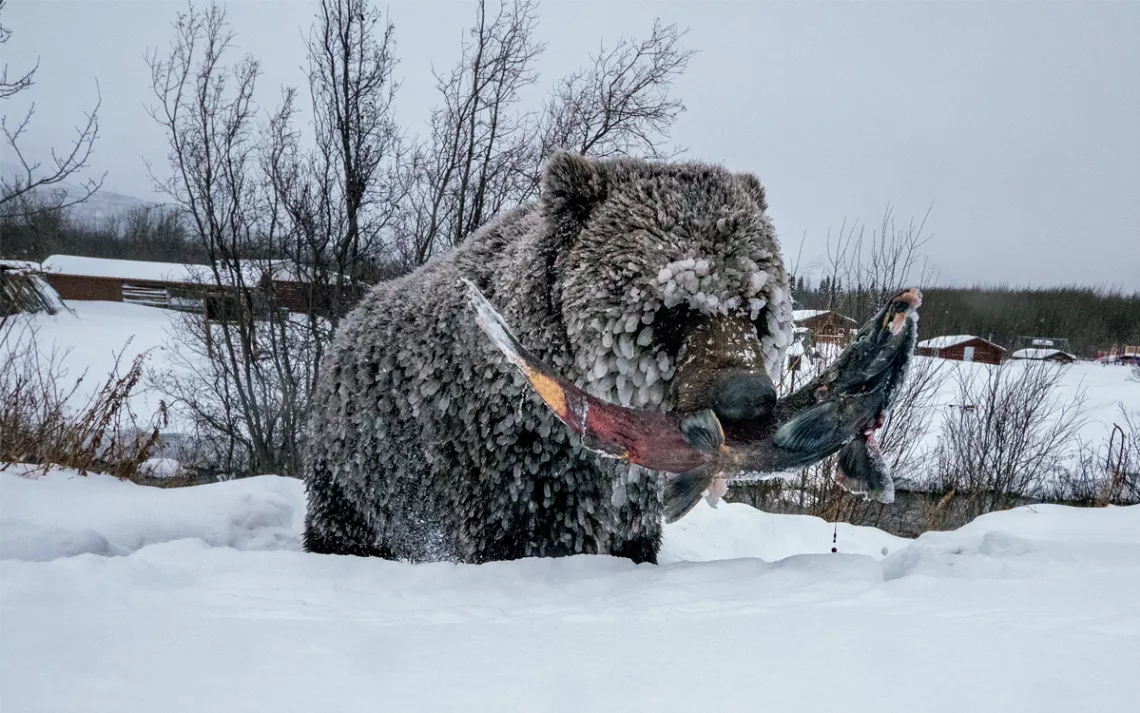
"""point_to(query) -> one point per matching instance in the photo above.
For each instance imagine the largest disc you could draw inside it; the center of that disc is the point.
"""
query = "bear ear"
(753, 188)
(572, 186)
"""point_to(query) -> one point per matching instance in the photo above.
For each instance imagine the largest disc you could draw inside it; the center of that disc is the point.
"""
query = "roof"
(252, 270)
(1039, 353)
(19, 265)
(948, 341)
(801, 314)
(123, 269)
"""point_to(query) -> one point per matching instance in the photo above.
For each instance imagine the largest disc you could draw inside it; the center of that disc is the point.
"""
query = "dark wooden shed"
(190, 287)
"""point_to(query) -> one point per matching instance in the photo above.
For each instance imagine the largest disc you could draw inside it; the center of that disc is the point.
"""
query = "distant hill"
(97, 209)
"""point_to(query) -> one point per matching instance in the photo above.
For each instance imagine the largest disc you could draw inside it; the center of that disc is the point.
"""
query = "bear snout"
(721, 366)
(743, 396)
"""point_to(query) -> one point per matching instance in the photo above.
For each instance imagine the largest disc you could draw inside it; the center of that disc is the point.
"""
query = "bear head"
(670, 283)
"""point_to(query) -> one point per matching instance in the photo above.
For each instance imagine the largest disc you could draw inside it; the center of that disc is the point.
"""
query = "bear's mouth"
(694, 361)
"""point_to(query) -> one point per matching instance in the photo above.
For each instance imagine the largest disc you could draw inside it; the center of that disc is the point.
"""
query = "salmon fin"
(684, 490)
(814, 429)
(702, 431)
(863, 471)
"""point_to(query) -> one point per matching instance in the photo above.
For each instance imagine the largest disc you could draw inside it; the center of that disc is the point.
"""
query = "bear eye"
(668, 327)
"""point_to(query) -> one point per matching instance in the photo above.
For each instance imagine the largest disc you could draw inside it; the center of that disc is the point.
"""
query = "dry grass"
(45, 421)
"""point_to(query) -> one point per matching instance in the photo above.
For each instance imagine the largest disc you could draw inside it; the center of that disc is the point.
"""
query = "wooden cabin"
(962, 347)
(825, 325)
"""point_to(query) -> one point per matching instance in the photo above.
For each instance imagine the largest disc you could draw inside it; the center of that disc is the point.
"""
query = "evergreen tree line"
(1091, 319)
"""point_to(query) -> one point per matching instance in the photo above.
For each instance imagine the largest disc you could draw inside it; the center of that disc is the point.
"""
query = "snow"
(20, 265)
(124, 269)
(1039, 353)
(264, 512)
(88, 337)
(118, 597)
(799, 315)
(946, 341)
(251, 270)
(161, 467)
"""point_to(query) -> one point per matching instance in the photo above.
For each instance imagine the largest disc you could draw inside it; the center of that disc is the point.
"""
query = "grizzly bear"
(649, 284)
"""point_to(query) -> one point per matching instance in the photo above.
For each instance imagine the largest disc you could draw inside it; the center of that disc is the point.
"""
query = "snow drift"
(118, 597)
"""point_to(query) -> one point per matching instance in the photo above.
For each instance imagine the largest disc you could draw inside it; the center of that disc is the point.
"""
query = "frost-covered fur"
(427, 445)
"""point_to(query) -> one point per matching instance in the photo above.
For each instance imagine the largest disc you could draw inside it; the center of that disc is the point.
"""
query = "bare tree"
(339, 198)
(290, 232)
(471, 165)
(864, 269)
(34, 174)
(620, 105)
(1009, 435)
(485, 150)
(209, 116)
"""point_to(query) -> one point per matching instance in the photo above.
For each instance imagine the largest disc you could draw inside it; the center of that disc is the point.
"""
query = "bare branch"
(621, 105)
(11, 86)
(64, 164)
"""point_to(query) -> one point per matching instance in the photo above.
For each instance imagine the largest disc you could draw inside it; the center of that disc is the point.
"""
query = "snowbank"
(265, 512)
(211, 605)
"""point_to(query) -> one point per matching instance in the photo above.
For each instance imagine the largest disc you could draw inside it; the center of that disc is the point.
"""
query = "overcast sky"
(1017, 124)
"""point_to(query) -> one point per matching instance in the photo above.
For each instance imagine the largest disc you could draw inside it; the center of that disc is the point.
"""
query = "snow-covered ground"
(91, 334)
(118, 597)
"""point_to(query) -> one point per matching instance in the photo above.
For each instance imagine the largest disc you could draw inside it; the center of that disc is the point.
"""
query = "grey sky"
(1019, 123)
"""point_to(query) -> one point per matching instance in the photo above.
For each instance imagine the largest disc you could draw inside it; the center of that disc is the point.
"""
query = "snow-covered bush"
(1011, 435)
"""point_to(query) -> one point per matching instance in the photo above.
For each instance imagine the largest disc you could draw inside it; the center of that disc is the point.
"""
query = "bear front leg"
(334, 524)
